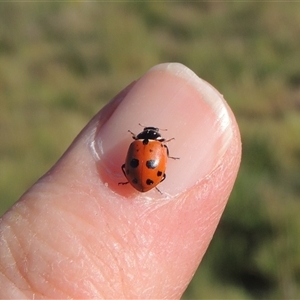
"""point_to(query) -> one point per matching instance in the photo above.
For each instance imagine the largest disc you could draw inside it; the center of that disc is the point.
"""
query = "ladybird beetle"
(146, 160)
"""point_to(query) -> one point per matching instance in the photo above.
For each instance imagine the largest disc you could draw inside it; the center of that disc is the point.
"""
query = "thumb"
(76, 233)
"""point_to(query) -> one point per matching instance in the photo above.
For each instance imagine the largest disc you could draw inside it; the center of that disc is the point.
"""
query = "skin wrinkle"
(119, 238)
(17, 266)
(124, 283)
(84, 253)
(128, 278)
(17, 294)
(78, 219)
(46, 278)
(95, 278)
(144, 237)
(84, 222)
(156, 205)
(92, 261)
(149, 258)
(52, 287)
(90, 257)
(24, 284)
(111, 251)
(146, 257)
(9, 253)
(129, 259)
(76, 288)
(13, 285)
(47, 245)
(80, 222)
(93, 291)
(115, 269)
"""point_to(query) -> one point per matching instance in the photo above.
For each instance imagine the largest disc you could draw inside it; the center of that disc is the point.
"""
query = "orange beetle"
(146, 160)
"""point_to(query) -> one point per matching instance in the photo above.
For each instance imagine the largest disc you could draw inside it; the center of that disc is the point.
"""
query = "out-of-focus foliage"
(60, 62)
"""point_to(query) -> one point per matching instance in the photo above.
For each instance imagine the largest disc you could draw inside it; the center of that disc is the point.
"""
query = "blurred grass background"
(61, 62)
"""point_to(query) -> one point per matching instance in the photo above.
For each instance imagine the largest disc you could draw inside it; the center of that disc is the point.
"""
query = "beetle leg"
(163, 178)
(158, 190)
(169, 153)
(123, 170)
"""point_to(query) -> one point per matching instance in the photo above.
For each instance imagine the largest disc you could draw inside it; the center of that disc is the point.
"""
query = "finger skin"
(77, 233)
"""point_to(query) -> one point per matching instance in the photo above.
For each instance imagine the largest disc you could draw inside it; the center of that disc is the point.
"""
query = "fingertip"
(195, 114)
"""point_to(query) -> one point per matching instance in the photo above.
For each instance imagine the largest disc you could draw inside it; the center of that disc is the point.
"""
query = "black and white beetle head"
(150, 133)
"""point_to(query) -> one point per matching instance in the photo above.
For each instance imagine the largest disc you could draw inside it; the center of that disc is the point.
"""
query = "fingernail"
(208, 94)
(168, 96)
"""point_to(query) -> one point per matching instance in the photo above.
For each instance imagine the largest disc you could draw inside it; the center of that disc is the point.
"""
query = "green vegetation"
(60, 62)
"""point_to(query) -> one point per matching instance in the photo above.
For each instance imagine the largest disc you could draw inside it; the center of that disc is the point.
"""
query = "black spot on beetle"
(134, 180)
(149, 182)
(152, 163)
(159, 173)
(134, 163)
